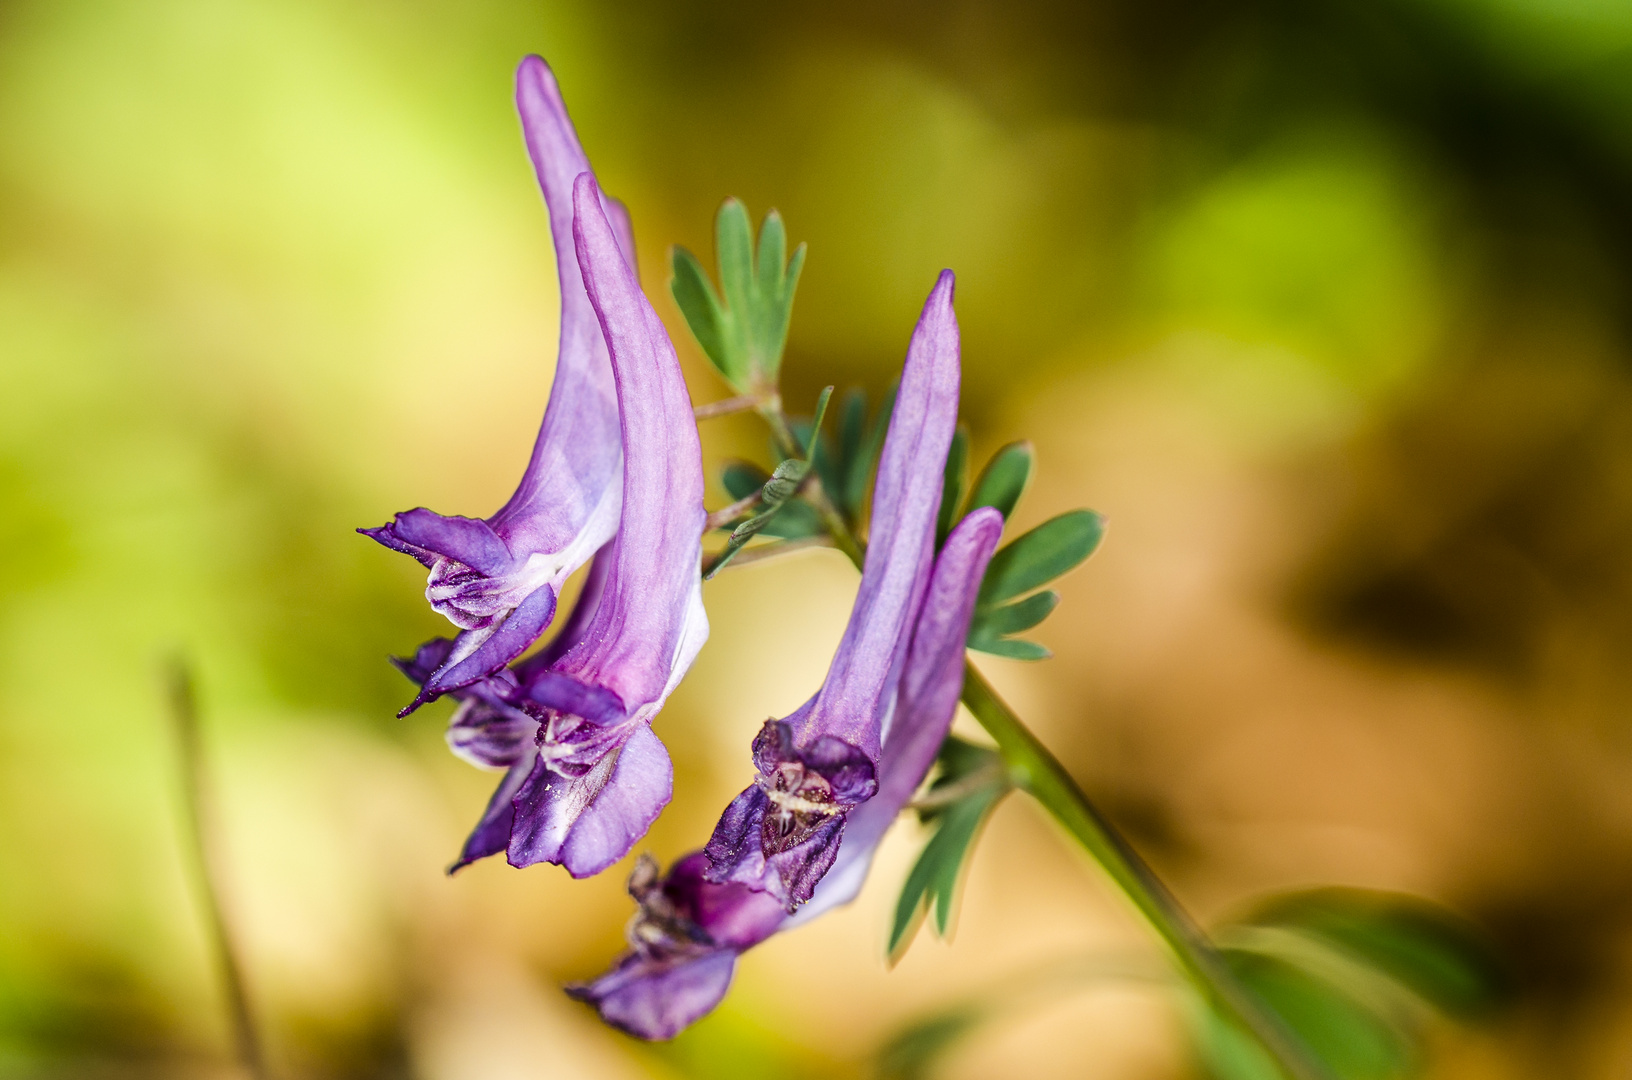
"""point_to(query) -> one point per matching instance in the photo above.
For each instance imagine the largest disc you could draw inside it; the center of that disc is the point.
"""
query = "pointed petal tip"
(584, 188)
(985, 520)
(534, 74)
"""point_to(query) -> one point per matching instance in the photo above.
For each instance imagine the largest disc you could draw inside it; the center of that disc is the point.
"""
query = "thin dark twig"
(201, 838)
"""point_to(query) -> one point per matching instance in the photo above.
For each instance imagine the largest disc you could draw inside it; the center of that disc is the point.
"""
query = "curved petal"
(484, 573)
(847, 718)
(602, 777)
(659, 998)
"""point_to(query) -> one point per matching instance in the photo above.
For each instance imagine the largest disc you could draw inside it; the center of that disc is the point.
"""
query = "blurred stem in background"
(203, 844)
(1035, 770)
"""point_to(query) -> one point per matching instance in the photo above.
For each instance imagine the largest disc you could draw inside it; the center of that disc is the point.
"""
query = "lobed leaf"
(931, 885)
(743, 327)
(1041, 555)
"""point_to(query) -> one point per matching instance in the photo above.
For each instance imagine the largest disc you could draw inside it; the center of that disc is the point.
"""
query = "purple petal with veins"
(498, 579)
(689, 930)
(783, 832)
(601, 777)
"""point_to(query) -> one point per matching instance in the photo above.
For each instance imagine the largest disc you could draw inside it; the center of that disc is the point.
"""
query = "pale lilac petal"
(900, 537)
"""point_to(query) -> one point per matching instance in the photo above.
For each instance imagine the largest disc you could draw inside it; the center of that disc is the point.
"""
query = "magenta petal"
(492, 832)
(587, 823)
(464, 540)
(563, 693)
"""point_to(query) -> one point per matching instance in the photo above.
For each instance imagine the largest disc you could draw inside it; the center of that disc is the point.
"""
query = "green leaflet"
(797, 519)
(743, 328)
(1003, 480)
(974, 775)
(1353, 975)
(1041, 555)
(1431, 952)
(913, 1053)
(1011, 648)
(1013, 618)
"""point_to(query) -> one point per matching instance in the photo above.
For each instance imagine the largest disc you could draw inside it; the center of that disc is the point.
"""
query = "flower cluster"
(615, 481)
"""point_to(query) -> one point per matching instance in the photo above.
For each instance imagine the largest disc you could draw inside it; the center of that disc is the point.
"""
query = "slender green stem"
(1039, 773)
(196, 803)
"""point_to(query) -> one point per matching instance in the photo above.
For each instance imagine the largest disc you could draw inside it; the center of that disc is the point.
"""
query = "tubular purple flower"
(783, 832)
(498, 579)
(688, 932)
(600, 777)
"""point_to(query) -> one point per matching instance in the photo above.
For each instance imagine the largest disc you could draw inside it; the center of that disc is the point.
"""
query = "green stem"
(1039, 773)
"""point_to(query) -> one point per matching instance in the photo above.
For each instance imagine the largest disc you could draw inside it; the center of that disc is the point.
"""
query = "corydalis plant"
(783, 832)
(498, 579)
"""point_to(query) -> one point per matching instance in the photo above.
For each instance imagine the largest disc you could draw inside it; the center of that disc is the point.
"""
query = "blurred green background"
(1325, 304)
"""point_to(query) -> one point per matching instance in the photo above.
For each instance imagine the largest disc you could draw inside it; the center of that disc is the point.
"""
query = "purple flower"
(585, 777)
(498, 579)
(782, 833)
(685, 939)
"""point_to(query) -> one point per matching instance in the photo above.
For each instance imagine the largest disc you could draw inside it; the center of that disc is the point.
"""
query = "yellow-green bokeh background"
(1325, 305)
